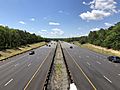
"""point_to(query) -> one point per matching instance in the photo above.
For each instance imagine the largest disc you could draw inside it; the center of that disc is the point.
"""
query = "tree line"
(13, 38)
(109, 38)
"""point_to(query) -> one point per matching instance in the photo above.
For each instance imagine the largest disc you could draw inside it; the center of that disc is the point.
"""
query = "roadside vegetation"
(15, 41)
(108, 39)
(13, 38)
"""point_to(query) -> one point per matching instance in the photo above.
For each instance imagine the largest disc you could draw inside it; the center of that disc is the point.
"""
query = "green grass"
(58, 68)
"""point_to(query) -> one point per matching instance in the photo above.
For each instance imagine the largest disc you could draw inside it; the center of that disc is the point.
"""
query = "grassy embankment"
(12, 52)
(99, 49)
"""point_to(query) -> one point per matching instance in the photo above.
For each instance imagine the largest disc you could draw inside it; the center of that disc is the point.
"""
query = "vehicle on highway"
(114, 59)
(71, 47)
(49, 45)
(31, 52)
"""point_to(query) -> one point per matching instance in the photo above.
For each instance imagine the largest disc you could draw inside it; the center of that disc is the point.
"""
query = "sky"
(59, 18)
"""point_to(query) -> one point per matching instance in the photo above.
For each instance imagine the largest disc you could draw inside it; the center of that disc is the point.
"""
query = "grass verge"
(13, 52)
(99, 49)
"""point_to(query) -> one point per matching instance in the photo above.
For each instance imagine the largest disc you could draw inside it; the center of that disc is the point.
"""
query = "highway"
(90, 70)
(26, 72)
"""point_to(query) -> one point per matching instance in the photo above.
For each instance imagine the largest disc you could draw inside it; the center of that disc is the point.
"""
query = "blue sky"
(59, 18)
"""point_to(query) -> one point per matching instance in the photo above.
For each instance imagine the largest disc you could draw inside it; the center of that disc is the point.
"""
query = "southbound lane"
(19, 72)
(90, 70)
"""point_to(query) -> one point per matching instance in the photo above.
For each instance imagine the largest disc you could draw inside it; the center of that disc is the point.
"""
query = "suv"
(31, 52)
(114, 59)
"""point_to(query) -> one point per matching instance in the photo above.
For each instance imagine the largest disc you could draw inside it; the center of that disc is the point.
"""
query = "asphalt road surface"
(90, 70)
(26, 72)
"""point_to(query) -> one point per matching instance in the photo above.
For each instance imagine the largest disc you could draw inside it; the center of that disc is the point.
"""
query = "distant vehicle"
(71, 47)
(114, 59)
(31, 52)
(49, 45)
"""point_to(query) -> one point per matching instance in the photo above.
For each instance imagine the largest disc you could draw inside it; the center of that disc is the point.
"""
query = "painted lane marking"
(8, 82)
(118, 74)
(98, 62)
(29, 64)
(82, 71)
(87, 56)
(88, 63)
(12, 61)
(27, 85)
(79, 56)
(16, 64)
(107, 79)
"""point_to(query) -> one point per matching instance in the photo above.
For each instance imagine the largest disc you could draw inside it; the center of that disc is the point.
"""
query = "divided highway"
(26, 72)
(90, 70)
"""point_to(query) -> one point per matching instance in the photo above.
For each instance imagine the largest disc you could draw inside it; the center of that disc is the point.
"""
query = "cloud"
(43, 30)
(100, 9)
(60, 11)
(57, 32)
(94, 15)
(108, 24)
(94, 29)
(22, 22)
(54, 23)
(63, 12)
(32, 19)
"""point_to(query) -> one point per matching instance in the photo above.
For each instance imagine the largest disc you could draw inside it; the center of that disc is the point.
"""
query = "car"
(71, 47)
(49, 45)
(114, 59)
(31, 52)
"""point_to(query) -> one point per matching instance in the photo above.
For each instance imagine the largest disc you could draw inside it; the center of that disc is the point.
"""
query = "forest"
(13, 38)
(109, 38)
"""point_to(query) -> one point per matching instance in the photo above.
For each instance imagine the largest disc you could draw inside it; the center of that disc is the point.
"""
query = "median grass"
(12, 52)
(99, 49)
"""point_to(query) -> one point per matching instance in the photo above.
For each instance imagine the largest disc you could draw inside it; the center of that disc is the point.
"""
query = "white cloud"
(108, 24)
(22, 22)
(63, 12)
(94, 15)
(100, 9)
(43, 30)
(94, 29)
(32, 19)
(57, 32)
(60, 11)
(54, 23)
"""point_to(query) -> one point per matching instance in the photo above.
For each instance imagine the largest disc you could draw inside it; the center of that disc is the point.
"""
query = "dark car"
(31, 52)
(114, 59)
(71, 47)
(49, 45)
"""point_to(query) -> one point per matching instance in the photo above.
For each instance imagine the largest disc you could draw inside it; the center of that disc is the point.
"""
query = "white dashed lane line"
(118, 74)
(29, 64)
(107, 79)
(98, 62)
(8, 82)
(16, 64)
(88, 63)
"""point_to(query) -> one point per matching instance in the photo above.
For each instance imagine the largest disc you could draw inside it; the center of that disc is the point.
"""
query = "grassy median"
(12, 52)
(99, 49)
